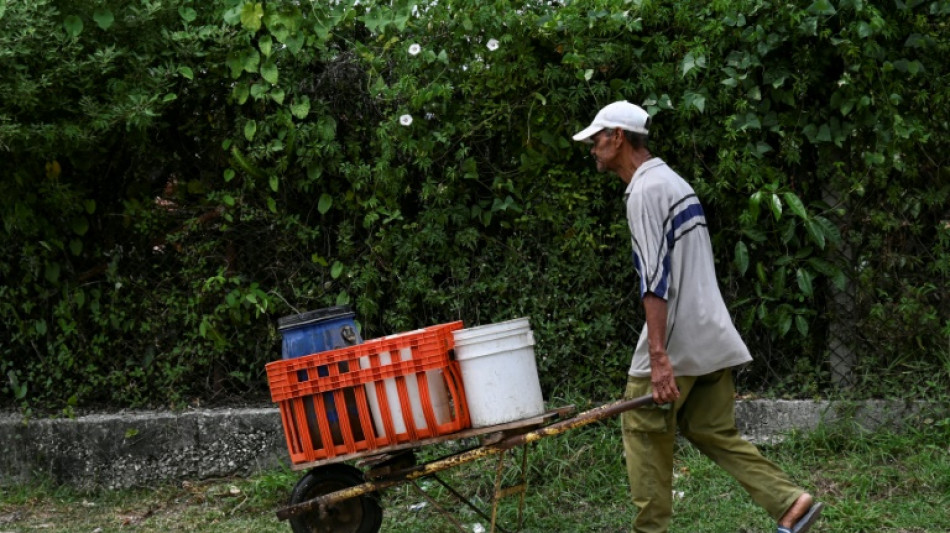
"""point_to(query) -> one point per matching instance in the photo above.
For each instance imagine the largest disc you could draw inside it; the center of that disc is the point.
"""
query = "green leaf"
(301, 108)
(755, 201)
(815, 233)
(187, 14)
(80, 298)
(170, 97)
(73, 26)
(269, 72)
(274, 183)
(804, 279)
(778, 281)
(326, 201)
(795, 204)
(80, 226)
(784, 322)
(696, 100)
(51, 272)
(776, 207)
(822, 7)
(250, 128)
(75, 246)
(801, 325)
(830, 231)
(259, 90)
(265, 43)
(374, 20)
(336, 270)
(241, 93)
(742, 257)
(691, 61)
(103, 17)
(295, 42)
(252, 60)
(251, 15)
(271, 205)
(40, 327)
(186, 72)
(228, 174)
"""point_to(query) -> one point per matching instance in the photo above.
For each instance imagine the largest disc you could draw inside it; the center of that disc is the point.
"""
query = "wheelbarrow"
(334, 497)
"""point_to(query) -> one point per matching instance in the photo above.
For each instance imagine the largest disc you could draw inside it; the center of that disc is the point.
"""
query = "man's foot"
(801, 515)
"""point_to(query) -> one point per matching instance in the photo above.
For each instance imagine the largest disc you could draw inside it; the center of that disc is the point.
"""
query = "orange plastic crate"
(382, 384)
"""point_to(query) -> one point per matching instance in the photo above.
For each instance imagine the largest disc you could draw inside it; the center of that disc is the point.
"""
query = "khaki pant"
(705, 416)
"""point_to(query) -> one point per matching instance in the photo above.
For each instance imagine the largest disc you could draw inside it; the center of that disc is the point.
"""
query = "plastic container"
(404, 387)
(499, 372)
(437, 396)
(316, 332)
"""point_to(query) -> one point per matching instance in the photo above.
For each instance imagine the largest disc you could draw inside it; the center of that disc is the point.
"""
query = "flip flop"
(806, 521)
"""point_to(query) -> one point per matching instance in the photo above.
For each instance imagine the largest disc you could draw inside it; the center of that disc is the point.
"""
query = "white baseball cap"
(623, 115)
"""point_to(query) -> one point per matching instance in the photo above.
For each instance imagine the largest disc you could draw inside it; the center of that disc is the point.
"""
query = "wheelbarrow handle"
(587, 417)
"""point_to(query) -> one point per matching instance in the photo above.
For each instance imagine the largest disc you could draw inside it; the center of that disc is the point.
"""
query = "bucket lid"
(310, 317)
(512, 326)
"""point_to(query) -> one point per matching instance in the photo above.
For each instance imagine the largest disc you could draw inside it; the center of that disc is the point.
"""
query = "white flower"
(405, 120)
(492, 44)
(414, 49)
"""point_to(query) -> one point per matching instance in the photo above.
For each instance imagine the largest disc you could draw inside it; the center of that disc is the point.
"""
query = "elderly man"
(689, 346)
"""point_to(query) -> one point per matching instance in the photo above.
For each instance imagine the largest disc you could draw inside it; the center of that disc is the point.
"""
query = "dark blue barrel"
(318, 331)
(314, 332)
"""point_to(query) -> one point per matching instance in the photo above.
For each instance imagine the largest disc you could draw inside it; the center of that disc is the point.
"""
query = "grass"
(888, 482)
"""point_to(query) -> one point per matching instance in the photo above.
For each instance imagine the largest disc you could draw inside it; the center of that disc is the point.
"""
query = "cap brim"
(588, 132)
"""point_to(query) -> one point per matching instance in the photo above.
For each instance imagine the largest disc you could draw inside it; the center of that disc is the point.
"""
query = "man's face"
(604, 149)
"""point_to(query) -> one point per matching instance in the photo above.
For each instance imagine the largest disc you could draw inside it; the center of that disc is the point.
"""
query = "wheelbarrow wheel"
(361, 514)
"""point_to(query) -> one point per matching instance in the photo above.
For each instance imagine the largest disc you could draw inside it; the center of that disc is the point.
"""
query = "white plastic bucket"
(499, 372)
(438, 395)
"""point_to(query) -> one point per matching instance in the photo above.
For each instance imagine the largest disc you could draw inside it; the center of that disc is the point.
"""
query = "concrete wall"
(143, 448)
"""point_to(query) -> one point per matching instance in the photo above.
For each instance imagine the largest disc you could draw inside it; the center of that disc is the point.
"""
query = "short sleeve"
(646, 215)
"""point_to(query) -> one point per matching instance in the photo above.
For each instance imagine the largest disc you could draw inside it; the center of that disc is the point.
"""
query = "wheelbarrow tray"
(487, 435)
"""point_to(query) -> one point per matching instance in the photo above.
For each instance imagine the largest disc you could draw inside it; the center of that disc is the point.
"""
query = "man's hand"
(661, 370)
(662, 379)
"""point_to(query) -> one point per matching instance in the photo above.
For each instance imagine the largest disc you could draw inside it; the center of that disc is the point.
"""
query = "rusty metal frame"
(321, 503)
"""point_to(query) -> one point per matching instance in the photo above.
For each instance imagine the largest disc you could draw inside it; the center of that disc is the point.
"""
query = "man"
(689, 345)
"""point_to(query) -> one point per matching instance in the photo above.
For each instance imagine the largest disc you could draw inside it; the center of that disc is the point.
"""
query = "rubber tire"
(362, 514)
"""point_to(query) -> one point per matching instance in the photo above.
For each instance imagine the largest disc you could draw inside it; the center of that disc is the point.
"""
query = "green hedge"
(177, 175)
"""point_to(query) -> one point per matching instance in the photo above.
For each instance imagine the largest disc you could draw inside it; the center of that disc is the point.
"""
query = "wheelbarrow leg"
(503, 492)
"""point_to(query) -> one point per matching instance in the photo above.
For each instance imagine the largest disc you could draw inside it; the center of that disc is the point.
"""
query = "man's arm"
(661, 371)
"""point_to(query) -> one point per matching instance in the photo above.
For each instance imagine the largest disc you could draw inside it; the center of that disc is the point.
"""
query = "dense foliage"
(178, 174)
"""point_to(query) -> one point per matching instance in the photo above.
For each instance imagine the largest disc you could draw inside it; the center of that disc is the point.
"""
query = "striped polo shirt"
(672, 254)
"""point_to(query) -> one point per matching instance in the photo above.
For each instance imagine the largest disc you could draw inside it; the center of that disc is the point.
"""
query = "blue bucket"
(314, 332)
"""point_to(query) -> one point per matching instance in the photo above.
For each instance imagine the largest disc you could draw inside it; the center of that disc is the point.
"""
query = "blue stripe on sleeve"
(678, 228)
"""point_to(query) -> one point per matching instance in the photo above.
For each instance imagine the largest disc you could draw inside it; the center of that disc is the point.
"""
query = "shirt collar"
(648, 165)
